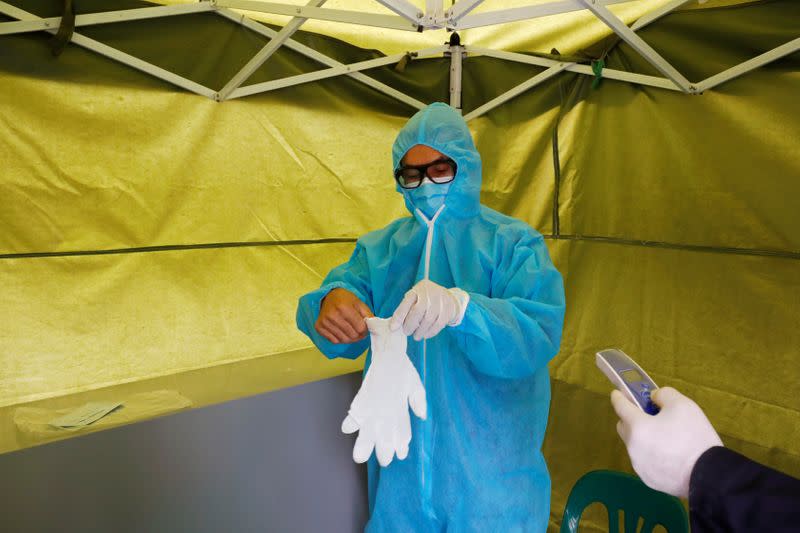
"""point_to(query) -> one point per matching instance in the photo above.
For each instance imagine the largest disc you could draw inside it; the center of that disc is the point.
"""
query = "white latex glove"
(665, 447)
(379, 411)
(427, 308)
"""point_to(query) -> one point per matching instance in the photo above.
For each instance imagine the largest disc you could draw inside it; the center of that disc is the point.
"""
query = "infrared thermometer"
(629, 378)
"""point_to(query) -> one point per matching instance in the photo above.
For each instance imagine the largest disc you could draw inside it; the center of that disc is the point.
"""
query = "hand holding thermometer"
(629, 378)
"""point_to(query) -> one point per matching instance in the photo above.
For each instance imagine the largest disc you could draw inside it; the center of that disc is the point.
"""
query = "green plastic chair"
(620, 491)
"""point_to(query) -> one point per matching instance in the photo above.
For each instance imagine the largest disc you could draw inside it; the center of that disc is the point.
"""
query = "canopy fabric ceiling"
(567, 32)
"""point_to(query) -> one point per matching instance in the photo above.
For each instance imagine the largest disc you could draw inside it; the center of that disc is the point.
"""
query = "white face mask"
(429, 196)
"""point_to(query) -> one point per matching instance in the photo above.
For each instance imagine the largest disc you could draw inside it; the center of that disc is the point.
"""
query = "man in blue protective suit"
(485, 306)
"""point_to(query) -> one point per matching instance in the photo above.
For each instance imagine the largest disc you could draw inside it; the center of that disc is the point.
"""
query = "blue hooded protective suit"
(475, 464)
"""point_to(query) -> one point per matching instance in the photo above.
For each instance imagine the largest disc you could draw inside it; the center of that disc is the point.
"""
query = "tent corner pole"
(456, 54)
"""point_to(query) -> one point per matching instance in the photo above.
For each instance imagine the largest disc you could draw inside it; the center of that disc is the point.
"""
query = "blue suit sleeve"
(353, 276)
(517, 329)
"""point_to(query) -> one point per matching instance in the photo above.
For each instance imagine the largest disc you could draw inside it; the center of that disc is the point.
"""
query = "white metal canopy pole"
(460, 9)
(620, 75)
(321, 58)
(657, 14)
(555, 67)
(329, 73)
(407, 17)
(315, 12)
(44, 24)
(503, 16)
(116, 55)
(516, 91)
(636, 42)
(265, 53)
(434, 14)
(403, 8)
(456, 52)
(752, 64)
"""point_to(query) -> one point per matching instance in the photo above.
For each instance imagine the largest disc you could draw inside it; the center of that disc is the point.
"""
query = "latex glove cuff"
(463, 300)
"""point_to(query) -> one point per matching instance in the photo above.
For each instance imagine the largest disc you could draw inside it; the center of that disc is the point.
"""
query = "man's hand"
(427, 308)
(664, 447)
(341, 317)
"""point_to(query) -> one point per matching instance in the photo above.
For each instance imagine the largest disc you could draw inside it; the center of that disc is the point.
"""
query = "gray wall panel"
(274, 462)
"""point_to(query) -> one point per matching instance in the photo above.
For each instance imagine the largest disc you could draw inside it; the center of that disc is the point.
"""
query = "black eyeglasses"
(439, 171)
